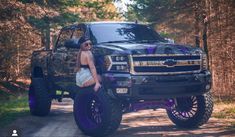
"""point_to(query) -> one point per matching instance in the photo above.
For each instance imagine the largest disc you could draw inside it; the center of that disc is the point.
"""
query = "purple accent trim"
(32, 101)
(169, 103)
(151, 50)
(183, 49)
(188, 108)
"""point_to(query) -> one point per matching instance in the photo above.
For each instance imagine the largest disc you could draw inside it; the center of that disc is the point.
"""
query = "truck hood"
(146, 48)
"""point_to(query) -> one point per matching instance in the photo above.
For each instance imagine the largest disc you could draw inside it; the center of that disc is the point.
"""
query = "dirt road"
(147, 123)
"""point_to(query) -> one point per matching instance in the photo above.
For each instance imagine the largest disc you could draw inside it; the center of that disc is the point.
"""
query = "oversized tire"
(96, 114)
(191, 112)
(39, 98)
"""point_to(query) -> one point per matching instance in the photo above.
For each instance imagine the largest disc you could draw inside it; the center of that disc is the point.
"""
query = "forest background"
(29, 25)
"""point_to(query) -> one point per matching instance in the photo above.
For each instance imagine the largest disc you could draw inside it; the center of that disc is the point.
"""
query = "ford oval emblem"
(170, 62)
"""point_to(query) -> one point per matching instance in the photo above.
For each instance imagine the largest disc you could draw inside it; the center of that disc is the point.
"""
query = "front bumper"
(149, 87)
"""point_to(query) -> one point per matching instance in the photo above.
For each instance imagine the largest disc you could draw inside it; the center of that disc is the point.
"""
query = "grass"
(224, 110)
(13, 101)
(229, 113)
(12, 109)
(224, 99)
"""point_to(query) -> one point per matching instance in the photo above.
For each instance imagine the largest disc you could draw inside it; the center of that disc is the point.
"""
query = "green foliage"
(165, 34)
(59, 6)
(171, 36)
(38, 23)
(154, 10)
(26, 1)
(53, 3)
(63, 17)
(61, 20)
(12, 109)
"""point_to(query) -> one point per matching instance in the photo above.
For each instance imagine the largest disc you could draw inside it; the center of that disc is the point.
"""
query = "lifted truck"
(139, 70)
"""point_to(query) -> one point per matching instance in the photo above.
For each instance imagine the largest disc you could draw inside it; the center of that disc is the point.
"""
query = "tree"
(28, 25)
(183, 19)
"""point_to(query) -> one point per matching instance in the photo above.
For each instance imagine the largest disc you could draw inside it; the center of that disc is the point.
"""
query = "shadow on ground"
(146, 123)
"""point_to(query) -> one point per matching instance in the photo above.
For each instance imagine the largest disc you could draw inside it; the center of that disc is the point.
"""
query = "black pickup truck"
(139, 70)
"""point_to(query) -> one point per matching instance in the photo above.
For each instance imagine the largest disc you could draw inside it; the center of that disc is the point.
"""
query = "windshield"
(123, 32)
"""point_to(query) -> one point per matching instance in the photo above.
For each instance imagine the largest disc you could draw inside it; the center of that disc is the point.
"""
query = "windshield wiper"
(133, 41)
(120, 41)
(147, 41)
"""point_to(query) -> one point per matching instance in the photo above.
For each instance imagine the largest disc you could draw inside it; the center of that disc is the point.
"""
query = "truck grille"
(165, 64)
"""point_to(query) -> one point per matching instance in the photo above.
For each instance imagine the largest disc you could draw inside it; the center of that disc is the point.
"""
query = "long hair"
(81, 41)
(78, 66)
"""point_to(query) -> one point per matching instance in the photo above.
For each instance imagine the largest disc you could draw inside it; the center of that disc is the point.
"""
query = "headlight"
(119, 58)
(204, 62)
(116, 63)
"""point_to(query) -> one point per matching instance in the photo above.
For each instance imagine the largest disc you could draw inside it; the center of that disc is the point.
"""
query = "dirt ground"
(146, 123)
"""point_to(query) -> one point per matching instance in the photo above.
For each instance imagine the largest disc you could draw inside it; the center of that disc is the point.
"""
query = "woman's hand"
(97, 86)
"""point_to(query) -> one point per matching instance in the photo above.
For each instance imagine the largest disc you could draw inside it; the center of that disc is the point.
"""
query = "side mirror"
(72, 43)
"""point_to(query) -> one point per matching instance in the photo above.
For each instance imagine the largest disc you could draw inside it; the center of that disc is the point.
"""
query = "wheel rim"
(90, 112)
(32, 98)
(185, 108)
(95, 110)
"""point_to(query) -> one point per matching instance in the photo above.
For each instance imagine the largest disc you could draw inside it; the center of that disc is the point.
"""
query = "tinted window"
(70, 36)
(78, 33)
(64, 35)
(123, 32)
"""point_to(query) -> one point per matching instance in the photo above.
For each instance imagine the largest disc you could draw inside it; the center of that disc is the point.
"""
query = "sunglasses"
(87, 44)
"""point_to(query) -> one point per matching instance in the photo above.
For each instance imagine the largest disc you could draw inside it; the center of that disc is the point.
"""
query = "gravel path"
(146, 123)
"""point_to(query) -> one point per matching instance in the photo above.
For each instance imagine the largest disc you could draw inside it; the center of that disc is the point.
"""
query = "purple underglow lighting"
(147, 105)
(166, 104)
(170, 103)
(32, 101)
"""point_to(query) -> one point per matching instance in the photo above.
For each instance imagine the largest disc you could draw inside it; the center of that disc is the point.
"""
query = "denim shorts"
(83, 76)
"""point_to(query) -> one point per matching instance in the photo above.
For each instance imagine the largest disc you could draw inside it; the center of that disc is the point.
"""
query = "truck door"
(70, 58)
(57, 71)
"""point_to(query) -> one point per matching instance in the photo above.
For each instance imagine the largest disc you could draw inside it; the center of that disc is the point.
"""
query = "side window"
(64, 35)
(78, 32)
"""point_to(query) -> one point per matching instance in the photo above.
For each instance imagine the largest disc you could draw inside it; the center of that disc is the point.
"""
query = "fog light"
(208, 86)
(122, 90)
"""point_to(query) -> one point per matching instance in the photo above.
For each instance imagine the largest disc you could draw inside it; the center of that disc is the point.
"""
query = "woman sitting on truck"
(86, 71)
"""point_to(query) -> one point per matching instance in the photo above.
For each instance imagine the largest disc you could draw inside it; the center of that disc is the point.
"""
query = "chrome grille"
(165, 64)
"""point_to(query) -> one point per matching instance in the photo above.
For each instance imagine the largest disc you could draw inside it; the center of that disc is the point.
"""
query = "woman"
(86, 71)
